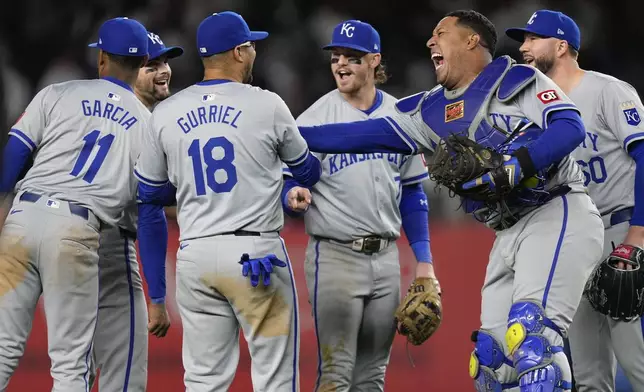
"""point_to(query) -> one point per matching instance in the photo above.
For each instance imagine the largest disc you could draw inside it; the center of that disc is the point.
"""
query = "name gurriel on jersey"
(207, 115)
(109, 111)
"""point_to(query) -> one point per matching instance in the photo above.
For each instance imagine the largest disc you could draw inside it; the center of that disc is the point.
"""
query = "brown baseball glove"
(420, 312)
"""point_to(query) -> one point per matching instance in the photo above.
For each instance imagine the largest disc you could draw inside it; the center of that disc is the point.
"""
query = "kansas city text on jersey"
(338, 162)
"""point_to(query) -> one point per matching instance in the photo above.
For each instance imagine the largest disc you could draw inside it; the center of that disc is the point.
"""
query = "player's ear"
(238, 54)
(473, 40)
(375, 60)
(101, 60)
(562, 48)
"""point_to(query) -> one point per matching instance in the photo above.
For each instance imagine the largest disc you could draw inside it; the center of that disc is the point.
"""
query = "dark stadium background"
(45, 41)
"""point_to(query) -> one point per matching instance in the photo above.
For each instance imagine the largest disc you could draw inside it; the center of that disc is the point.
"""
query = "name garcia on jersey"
(338, 162)
(110, 111)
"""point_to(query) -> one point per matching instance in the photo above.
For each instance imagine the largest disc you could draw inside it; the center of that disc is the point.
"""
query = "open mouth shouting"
(343, 74)
(438, 60)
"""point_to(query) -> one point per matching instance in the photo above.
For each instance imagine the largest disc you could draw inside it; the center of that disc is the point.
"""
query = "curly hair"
(380, 73)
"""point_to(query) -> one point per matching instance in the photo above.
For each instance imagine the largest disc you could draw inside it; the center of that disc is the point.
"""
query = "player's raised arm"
(367, 136)
(152, 232)
(292, 148)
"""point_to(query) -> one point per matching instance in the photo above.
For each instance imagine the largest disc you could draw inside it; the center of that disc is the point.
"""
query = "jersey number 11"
(91, 139)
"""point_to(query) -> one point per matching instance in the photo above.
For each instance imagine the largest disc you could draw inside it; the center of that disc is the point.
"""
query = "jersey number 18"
(201, 156)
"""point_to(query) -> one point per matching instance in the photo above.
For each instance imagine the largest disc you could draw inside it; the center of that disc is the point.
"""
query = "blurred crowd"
(45, 41)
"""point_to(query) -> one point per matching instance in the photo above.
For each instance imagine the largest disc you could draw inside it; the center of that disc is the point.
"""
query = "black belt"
(83, 212)
(366, 245)
(617, 217)
(242, 233)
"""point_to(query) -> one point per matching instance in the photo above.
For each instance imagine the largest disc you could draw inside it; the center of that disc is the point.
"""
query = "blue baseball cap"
(354, 34)
(550, 24)
(157, 48)
(222, 31)
(123, 37)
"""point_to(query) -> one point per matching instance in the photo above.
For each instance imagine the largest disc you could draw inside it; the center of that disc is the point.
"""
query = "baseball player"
(153, 84)
(612, 159)
(80, 134)
(549, 241)
(121, 339)
(352, 268)
(221, 142)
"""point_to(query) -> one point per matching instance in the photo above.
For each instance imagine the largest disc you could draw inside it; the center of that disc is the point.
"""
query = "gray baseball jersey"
(358, 195)
(610, 109)
(221, 144)
(86, 167)
(533, 104)
(611, 112)
(224, 146)
(541, 263)
(367, 185)
(81, 134)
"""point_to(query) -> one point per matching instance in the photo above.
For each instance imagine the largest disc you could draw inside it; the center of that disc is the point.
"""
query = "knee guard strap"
(531, 351)
(488, 356)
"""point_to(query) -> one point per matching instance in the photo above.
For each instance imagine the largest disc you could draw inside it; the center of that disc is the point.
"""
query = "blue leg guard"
(532, 353)
(487, 357)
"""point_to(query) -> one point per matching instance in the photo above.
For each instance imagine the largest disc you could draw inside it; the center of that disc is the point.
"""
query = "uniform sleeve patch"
(630, 112)
(548, 96)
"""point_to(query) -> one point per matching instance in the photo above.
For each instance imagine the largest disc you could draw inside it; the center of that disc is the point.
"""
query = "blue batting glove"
(250, 266)
(262, 266)
(512, 170)
(267, 264)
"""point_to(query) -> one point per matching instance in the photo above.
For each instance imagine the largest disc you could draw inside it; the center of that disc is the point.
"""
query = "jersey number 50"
(222, 162)
(594, 170)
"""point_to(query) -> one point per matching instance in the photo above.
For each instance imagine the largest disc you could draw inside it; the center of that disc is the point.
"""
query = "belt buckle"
(373, 245)
(357, 245)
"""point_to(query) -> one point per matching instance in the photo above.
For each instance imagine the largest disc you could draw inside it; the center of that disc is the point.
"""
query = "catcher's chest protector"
(468, 112)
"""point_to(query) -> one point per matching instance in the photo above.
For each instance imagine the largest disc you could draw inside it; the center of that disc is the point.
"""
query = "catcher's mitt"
(420, 313)
(458, 159)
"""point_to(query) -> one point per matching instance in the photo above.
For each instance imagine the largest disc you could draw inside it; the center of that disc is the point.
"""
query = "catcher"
(500, 135)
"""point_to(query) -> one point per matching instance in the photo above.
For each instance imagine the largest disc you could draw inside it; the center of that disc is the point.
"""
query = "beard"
(248, 74)
(544, 63)
(160, 94)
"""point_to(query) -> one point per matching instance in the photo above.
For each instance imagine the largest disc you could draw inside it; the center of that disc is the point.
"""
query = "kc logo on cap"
(549, 24)
(347, 29)
(357, 35)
